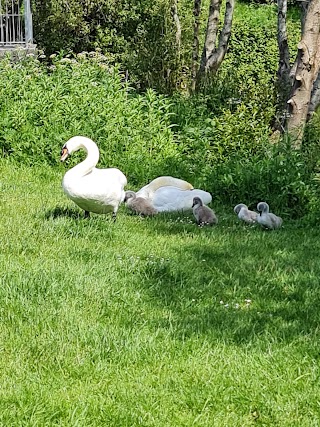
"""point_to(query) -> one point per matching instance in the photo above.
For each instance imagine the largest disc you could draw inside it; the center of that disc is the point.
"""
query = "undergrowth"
(225, 150)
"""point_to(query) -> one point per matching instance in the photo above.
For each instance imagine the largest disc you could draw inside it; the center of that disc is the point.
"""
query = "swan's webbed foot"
(86, 214)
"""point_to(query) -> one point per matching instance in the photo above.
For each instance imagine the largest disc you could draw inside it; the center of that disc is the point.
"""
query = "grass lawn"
(152, 322)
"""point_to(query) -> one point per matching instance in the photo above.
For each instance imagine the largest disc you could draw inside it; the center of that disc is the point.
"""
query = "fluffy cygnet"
(266, 218)
(203, 214)
(244, 214)
(139, 205)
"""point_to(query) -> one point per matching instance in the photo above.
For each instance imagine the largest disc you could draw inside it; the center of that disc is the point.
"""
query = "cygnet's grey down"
(203, 214)
(244, 214)
(266, 218)
(139, 205)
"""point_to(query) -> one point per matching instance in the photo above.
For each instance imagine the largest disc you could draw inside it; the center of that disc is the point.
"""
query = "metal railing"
(15, 23)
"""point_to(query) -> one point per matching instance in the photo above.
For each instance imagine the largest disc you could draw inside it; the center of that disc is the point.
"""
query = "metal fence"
(15, 23)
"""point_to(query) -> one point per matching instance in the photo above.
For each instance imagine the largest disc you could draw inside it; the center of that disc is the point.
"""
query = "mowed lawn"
(152, 322)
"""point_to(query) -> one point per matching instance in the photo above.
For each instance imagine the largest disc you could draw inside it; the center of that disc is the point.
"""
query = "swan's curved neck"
(90, 161)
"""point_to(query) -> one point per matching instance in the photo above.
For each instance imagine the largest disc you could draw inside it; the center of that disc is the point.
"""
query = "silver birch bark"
(315, 97)
(195, 50)
(211, 34)
(307, 70)
(283, 74)
(212, 55)
(216, 57)
(175, 15)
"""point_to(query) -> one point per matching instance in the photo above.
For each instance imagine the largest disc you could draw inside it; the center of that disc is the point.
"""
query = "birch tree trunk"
(315, 97)
(212, 55)
(175, 15)
(195, 50)
(283, 74)
(211, 34)
(307, 70)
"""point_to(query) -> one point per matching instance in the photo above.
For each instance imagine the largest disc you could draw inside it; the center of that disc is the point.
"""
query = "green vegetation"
(148, 322)
(220, 146)
(83, 96)
(155, 322)
(141, 36)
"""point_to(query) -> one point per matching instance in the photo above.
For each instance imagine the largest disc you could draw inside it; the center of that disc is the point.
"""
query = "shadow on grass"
(60, 211)
(248, 285)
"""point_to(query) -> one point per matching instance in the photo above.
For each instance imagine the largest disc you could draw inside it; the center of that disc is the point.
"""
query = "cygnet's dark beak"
(64, 154)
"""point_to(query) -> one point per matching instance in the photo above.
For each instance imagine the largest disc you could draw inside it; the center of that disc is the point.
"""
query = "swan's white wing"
(170, 199)
(104, 180)
(99, 191)
(148, 190)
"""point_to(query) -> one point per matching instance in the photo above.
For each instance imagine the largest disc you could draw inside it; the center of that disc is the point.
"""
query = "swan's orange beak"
(64, 154)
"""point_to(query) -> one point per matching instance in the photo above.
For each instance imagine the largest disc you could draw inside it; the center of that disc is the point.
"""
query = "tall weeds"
(41, 108)
(225, 151)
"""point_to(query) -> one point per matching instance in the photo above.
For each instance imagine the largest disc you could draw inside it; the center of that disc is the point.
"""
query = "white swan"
(245, 214)
(93, 190)
(203, 214)
(266, 218)
(170, 199)
(162, 181)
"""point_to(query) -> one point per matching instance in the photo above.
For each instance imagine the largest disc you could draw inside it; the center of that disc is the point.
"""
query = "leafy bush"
(226, 152)
(246, 168)
(231, 156)
(220, 138)
(41, 109)
(141, 37)
(278, 177)
(138, 35)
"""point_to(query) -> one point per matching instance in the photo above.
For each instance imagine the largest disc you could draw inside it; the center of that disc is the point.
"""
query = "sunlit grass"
(152, 322)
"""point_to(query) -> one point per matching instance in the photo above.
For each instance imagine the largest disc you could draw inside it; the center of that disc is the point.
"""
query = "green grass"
(126, 323)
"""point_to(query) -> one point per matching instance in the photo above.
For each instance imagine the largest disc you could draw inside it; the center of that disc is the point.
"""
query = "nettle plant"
(42, 107)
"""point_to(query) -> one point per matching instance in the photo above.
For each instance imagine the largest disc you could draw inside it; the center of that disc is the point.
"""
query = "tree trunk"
(283, 74)
(217, 56)
(315, 97)
(212, 56)
(211, 34)
(303, 7)
(174, 11)
(308, 65)
(304, 4)
(195, 51)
